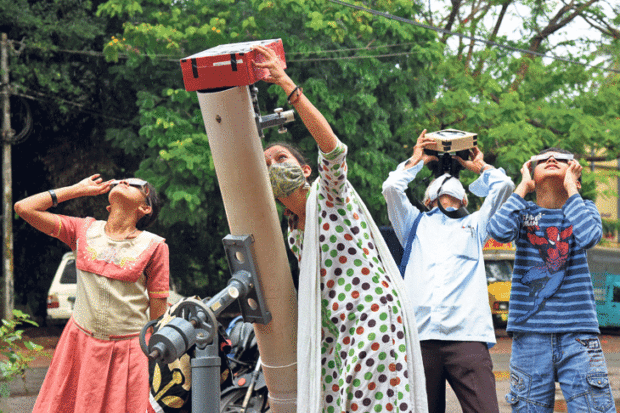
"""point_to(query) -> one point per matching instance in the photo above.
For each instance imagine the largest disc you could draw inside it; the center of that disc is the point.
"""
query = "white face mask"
(285, 178)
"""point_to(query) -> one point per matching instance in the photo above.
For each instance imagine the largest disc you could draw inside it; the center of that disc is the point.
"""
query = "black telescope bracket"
(278, 118)
(195, 322)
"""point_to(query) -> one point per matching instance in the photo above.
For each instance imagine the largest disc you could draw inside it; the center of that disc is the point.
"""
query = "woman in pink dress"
(123, 281)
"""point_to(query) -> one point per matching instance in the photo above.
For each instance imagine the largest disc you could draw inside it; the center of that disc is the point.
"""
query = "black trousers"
(467, 366)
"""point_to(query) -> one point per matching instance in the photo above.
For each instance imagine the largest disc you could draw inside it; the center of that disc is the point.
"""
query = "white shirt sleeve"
(496, 187)
(400, 210)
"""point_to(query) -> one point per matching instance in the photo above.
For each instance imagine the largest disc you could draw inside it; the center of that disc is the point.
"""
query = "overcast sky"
(512, 25)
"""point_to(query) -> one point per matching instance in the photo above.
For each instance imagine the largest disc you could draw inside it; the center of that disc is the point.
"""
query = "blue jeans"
(575, 360)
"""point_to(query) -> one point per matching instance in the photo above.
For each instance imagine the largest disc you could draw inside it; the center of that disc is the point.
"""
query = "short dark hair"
(558, 150)
(155, 203)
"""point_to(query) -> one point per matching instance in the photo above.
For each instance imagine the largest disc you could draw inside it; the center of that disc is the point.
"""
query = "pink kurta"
(98, 365)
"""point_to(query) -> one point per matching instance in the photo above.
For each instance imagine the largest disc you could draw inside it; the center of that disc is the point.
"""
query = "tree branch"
(608, 30)
(481, 12)
(556, 23)
(539, 125)
(456, 4)
(493, 37)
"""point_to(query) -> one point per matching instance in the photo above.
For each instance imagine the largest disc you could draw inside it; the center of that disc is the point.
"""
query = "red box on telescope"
(227, 65)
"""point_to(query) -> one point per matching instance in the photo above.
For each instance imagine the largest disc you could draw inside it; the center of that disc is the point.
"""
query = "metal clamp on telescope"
(195, 324)
(278, 118)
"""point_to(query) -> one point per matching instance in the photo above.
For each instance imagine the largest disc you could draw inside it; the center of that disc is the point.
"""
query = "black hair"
(296, 152)
(155, 203)
(558, 150)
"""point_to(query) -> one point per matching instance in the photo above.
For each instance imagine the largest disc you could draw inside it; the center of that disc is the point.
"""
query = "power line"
(464, 36)
(382, 46)
(78, 106)
(168, 59)
(323, 59)
(176, 60)
(368, 10)
(91, 52)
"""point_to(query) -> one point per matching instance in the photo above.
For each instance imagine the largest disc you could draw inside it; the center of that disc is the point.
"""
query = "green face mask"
(285, 178)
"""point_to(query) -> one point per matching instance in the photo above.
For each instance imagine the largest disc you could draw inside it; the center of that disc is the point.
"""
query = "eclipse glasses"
(136, 183)
(560, 157)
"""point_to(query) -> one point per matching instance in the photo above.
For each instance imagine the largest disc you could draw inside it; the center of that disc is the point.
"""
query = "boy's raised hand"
(571, 178)
(527, 184)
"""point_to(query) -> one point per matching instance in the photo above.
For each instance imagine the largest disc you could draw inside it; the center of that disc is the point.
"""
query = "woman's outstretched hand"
(313, 119)
(272, 63)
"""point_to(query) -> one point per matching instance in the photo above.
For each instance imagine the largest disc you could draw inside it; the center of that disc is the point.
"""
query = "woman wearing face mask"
(357, 338)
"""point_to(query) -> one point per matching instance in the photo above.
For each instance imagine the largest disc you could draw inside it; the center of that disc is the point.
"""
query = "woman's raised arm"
(314, 120)
(34, 208)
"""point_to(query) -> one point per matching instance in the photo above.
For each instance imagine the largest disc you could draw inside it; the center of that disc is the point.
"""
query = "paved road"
(23, 398)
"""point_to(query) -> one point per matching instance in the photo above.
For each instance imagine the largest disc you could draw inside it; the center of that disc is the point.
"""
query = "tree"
(519, 103)
(58, 72)
(366, 74)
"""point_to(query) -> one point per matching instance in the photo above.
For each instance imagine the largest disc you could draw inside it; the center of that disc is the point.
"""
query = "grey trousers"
(467, 366)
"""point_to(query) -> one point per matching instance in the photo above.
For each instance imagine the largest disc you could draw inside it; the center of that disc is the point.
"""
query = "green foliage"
(333, 52)
(549, 104)
(47, 29)
(17, 358)
(379, 83)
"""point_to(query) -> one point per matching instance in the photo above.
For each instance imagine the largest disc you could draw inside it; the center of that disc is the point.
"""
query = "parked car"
(61, 295)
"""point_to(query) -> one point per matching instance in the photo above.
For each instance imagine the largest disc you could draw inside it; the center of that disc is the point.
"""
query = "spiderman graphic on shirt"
(545, 280)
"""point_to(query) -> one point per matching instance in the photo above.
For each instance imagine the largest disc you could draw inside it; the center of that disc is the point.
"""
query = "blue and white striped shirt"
(551, 285)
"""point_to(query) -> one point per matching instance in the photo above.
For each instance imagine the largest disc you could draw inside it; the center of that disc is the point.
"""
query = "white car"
(61, 295)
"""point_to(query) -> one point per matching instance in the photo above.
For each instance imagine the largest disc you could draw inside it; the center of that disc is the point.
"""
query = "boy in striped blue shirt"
(552, 314)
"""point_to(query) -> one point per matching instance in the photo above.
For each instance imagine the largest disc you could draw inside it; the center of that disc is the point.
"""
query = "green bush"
(17, 358)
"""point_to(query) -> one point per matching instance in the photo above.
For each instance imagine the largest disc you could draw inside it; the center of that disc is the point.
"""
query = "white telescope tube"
(251, 210)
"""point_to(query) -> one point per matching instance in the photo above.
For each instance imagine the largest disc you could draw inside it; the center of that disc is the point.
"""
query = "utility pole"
(7, 185)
